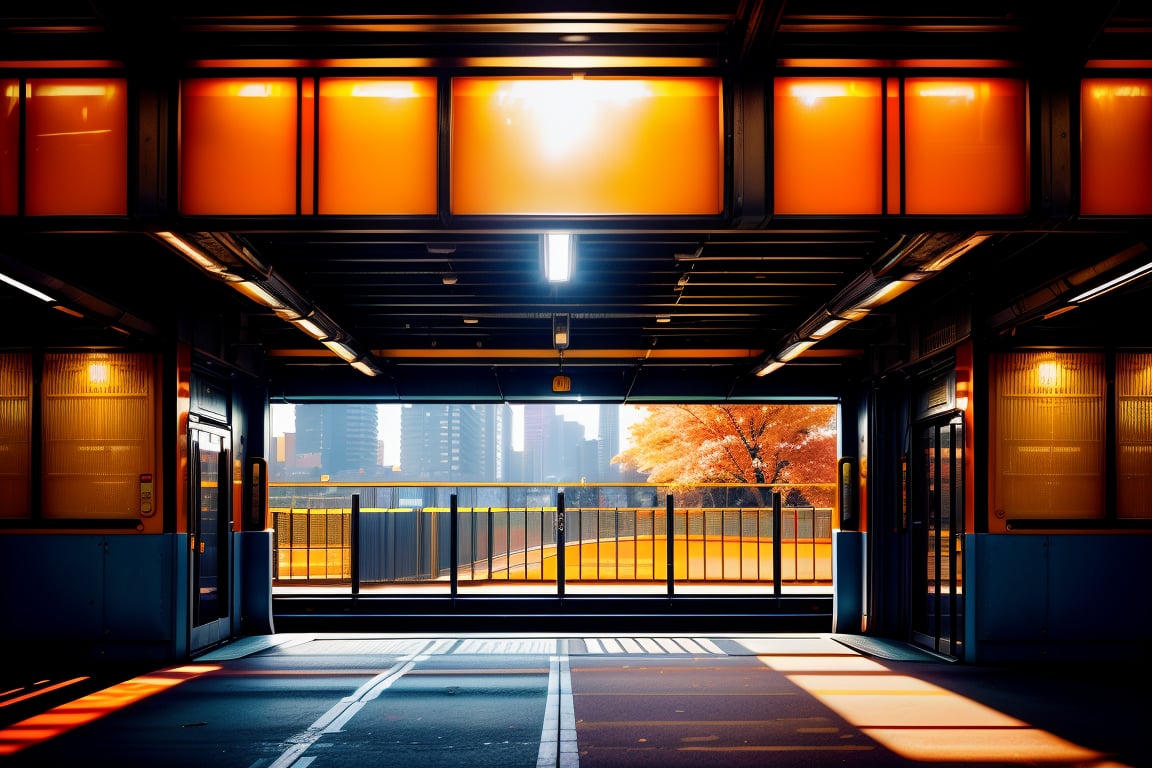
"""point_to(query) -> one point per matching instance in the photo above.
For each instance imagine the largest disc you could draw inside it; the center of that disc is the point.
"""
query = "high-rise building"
(538, 427)
(498, 423)
(569, 460)
(609, 443)
(443, 443)
(340, 438)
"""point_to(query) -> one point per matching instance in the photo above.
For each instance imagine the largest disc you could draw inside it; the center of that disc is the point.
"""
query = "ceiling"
(659, 308)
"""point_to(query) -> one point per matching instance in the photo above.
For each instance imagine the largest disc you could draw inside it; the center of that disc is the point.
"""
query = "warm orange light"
(922, 722)
(827, 146)
(93, 707)
(9, 147)
(552, 145)
(76, 157)
(238, 146)
(965, 147)
(1115, 151)
(98, 374)
(378, 146)
(1048, 374)
(963, 389)
(40, 691)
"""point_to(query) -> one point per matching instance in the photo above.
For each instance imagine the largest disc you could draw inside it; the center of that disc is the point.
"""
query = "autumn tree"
(751, 444)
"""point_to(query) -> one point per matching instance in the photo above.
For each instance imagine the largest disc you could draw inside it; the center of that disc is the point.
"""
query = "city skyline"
(586, 414)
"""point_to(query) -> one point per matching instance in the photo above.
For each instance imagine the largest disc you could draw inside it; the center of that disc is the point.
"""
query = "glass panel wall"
(1049, 422)
(98, 433)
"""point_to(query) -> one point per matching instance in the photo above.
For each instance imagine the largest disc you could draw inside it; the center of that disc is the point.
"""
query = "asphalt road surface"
(501, 701)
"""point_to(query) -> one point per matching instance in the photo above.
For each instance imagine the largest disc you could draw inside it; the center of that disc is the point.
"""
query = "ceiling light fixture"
(1113, 284)
(342, 350)
(556, 249)
(911, 260)
(309, 326)
(260, 295)
(794, 350)
(225, 257)
(193, 254)
(364, 366)
(769, 367)
(26, 288)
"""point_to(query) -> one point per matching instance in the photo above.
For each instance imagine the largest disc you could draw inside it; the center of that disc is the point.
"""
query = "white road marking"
(653, 645)
(343, 711)
(558, 747)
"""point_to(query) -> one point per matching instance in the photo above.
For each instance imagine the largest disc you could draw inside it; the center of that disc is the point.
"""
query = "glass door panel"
(937, 527)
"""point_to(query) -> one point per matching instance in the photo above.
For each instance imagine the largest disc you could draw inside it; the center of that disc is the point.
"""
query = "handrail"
(405, 540)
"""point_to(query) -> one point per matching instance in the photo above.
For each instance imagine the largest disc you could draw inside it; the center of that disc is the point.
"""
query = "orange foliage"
(754, 444)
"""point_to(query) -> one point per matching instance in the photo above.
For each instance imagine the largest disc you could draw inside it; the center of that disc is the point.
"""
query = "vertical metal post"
(507, 543)
(670, 528)
(491, 528)
(354, 543)
(560, 544)
(777, 543)
(454, 547)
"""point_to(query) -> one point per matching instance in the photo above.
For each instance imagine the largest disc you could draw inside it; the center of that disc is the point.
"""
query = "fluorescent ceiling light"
(883, 295)
(1113, 283)
(345, 352)
(310, 328)
(364, 367)
(195, 255)
(769, 367)
(794, 350)
(258, 294)
(829, 327)
(945, 259)
(26, 288)
(558, 256)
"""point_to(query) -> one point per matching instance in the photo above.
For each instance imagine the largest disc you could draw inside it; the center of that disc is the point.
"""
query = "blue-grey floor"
(379, 699)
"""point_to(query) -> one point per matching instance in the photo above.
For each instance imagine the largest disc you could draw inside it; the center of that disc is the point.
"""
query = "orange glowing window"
(16, 406)
(76, 153)
(98, 426)
(1048, 409)
(1134, 435)
(1116, 147)
(377, 152)
(827, 146)
(9, 147)
(587, 146)
(965, 147)
(238, 146)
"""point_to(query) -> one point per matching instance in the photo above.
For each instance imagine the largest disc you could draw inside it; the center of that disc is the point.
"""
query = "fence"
(509, 533)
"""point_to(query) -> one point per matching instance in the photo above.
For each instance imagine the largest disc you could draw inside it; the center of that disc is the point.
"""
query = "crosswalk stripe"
(652, 645)
(500, 646)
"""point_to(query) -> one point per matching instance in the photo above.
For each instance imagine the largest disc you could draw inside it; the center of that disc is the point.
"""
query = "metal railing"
(491, 533)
